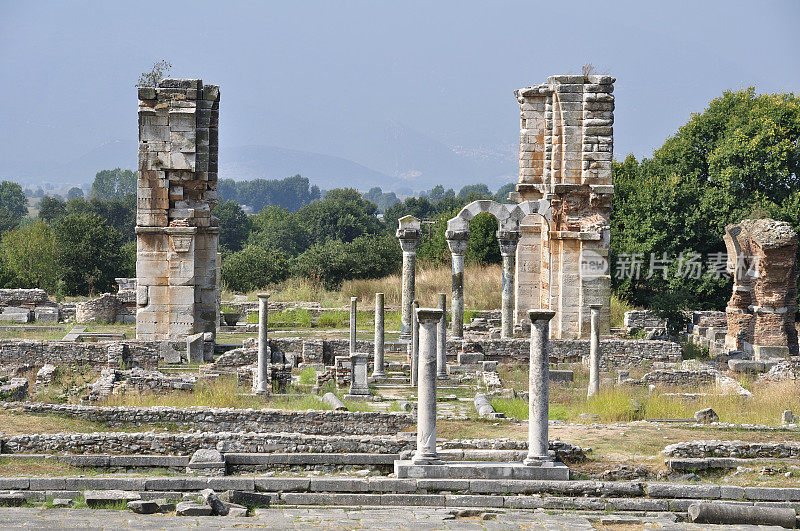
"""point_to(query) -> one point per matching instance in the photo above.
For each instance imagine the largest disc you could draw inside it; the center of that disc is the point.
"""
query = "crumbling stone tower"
(176, 237)
(565, 151)
(760, 313)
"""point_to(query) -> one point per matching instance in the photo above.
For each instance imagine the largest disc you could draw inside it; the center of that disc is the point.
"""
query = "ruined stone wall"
(760, 314)
(177, 239)
(237, 420)
(566, 148)
(68, 353)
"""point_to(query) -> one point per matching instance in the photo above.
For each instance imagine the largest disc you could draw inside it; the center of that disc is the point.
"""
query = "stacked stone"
(566, 148)
(760, 313)
(177, 238)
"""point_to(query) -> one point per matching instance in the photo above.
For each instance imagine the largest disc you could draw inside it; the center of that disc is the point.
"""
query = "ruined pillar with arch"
(555, 235)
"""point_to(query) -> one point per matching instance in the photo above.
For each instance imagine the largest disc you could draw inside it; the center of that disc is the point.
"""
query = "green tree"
(51, 208)
(253, 268)
(341, 215)
(13, 205)
(113, 184)
(335, 261)
(74, 192)
(234, 225)
(473, 192)
(740, 155)
(501, 196)
(88, 253)
(277, 228)
(30, 254)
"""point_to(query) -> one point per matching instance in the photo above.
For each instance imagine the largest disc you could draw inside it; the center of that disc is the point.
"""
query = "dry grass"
(222, 392)
(481, 288)
(12, 423)
(40, 467)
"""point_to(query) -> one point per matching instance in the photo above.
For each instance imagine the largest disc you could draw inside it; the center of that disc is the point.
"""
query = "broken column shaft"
(263, 348)
(408, 234)
(378, 370)
(594, 351)
(441, 339)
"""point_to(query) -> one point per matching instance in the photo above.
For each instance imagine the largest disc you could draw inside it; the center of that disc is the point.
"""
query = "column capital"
(264, 295)
(540, 314)
(508, 240)
(457, 240)
(429, 315)
(595, 306)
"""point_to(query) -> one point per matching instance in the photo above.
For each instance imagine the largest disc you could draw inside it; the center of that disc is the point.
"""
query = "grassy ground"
(12, 423)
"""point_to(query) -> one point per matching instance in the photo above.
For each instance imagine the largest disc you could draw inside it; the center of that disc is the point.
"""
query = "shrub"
(254, 267)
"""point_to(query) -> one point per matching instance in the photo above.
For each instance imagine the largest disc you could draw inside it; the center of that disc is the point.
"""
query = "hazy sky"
(444, 69)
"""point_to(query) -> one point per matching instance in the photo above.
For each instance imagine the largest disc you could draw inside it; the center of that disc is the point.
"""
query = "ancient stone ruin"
(555, 254)
(176, 263)
(762, 260)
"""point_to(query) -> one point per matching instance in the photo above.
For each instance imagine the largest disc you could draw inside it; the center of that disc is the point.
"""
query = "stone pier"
(378, 369)
(426, 390)
(594, 351)
(409, 234)
(441, 339)
(263, 346)
(457, 242)
(176, 236)
(359, 386)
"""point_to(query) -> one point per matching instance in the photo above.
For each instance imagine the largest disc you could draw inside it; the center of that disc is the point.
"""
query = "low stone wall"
(614, 353)
(741, 449)
(68, 353)
(681, 377)
(235, 420)
(642, 320)
(120, 443)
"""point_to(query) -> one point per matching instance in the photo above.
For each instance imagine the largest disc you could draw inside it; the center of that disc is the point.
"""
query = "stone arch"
(508, 218)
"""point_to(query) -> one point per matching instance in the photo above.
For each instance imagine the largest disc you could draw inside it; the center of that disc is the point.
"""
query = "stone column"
(441, 339)
(263, 348)
(539, 387)
(594, 351)
(414, 345)
(426, 390)
(508, 250)
(353, 322)
(409, 234)
(378, 371)
(457, 241)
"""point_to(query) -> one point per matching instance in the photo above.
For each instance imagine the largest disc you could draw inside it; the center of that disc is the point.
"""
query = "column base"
(549, 470)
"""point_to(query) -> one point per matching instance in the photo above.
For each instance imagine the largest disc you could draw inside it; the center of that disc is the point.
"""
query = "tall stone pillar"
(441, 339)
(594, 351)
(263, 347)
(378, 370)
(426, 390)
(353, 323)
(414, 345)
(539, 388)
(176, 236)
(508, 250)
(409, 234)
(457, 241)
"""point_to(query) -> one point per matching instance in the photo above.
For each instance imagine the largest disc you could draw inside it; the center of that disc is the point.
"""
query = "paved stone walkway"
(333, 518)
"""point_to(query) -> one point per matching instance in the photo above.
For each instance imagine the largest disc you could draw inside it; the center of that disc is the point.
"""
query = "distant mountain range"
(390, 155)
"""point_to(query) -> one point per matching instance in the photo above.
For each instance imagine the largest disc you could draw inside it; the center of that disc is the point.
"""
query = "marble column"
(539, 387)
(263, 347)
(594, 350)
(457, 241)
(508, 250)
(441, 339)
(414, 345)
(408, 234)
(378, 370)
(426, 390)
(353, 323)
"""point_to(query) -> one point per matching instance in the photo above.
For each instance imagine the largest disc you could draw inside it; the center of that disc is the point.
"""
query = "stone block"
(280, 484)
(98, 498)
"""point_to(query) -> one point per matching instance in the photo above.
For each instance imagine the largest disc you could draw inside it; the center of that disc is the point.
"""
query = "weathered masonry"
(565, 152)
(176, 262)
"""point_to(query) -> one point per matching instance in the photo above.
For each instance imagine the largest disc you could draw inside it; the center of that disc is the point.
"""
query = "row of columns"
(538, 387)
